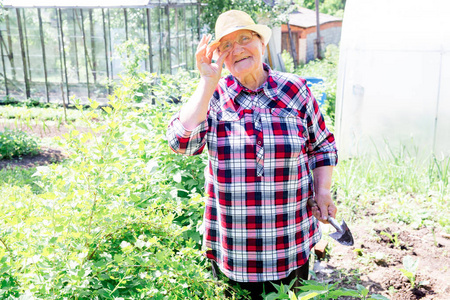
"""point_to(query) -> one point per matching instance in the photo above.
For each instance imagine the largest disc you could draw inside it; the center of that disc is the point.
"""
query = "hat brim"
(264, 31)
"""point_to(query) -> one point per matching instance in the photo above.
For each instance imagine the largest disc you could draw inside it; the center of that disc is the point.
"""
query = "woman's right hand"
(209, 70)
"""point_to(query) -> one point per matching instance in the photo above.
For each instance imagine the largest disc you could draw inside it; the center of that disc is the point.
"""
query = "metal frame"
(68, 35)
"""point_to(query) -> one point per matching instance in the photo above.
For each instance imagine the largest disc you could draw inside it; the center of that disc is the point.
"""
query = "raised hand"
(209, 70)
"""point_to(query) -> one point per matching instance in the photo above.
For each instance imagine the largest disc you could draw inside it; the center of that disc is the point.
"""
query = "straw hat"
(234, 20)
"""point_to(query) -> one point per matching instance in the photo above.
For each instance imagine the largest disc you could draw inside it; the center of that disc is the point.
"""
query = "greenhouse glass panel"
(392, 73)
(70, 50)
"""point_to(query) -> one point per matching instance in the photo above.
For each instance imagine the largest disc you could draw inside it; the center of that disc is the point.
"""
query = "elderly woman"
(269, 153)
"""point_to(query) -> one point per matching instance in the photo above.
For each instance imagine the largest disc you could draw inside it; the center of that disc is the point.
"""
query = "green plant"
(26, 113)
(410, 270)
(16, 143)
(134, 82)
(312, 289)
(118, 219)
(327, 69)
(393, 238)
(288, 61)
(19, 177)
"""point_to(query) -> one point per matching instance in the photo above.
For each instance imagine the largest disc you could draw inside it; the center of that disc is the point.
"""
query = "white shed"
(394, 78)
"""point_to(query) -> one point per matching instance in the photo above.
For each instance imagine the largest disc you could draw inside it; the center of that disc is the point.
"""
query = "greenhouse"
(394, 71)
(51, 51)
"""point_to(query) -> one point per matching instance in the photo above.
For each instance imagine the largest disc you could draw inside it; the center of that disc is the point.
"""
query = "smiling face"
(246, 59)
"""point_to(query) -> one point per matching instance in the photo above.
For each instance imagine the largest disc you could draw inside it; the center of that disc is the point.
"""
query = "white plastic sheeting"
(394, 78)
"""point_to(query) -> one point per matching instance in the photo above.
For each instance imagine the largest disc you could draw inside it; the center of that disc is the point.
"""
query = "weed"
(393, 238)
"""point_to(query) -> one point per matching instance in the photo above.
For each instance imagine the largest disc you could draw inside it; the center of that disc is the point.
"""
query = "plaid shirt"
(262, 146)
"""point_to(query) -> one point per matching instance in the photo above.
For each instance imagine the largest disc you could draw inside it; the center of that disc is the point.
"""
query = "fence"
(53, 53)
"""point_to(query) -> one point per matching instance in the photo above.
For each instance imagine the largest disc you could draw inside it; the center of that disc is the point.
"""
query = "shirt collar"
(270, 87)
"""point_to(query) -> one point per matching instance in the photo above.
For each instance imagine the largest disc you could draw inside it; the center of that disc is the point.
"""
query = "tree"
(274, 11)
(331, 7)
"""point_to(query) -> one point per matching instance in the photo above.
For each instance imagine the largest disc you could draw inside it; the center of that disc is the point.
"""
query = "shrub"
(16, 143)
(117, 220)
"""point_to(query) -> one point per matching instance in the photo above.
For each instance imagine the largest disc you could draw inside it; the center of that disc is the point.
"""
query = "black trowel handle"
(335, 223)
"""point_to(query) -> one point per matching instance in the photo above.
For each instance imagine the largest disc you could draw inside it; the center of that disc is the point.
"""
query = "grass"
(398, 187)
(30, 113)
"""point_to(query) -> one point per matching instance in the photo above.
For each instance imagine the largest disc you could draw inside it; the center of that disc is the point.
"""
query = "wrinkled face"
(246, 52)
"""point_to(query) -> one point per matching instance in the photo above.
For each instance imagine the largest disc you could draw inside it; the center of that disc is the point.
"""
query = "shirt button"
(305, 135)
(259, 142)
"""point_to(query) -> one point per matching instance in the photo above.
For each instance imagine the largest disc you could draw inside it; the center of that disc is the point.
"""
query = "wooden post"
(10, 47)
(293, 50)
(149, 38)
(169, 58)
(63, 52)
(125, 18)
(86, 57)
(185, 38)
(27, 50)
(3, 65)
(319, 47)
(60, 58)
(105, 40)
(22, 51)
(161, 61)
(198, 19)
(41, 34)
(110, 45)
(144, 36)
(75, 44)
(178, 54)
(93, 61)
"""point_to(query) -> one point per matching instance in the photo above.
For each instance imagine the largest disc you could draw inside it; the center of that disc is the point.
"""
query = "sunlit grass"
(398, 187)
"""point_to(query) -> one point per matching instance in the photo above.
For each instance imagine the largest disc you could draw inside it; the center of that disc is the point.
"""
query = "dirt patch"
(48, 154)
(50, 130)
(377, 257)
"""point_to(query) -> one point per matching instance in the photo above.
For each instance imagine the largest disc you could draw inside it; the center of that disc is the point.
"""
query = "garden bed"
(376, 259)
(373, 262)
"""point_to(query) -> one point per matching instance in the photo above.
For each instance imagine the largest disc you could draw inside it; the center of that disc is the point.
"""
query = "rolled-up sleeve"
(322, 149)
(188, 142)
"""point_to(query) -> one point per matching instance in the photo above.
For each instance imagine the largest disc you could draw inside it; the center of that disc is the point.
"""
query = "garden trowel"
(343, 234)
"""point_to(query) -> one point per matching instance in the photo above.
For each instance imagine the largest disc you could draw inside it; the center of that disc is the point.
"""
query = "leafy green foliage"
(118, 219)
(312, 289)
(19, 177)
(331, 7)
(16, 143)
(26, 114)
(269, 12)
(136, 82)
(327, 69)
(213, 8)
(288, 61)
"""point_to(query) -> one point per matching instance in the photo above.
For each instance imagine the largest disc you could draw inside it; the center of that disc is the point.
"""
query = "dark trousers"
(256, 288)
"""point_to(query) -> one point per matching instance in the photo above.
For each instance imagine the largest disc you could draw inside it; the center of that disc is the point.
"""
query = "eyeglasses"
(242, 39)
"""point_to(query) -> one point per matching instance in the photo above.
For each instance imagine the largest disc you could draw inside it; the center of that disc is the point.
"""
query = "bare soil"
(374, 261)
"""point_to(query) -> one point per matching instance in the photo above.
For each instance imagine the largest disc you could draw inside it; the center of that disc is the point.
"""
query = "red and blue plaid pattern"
(262, 146)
